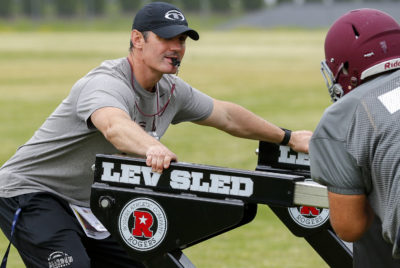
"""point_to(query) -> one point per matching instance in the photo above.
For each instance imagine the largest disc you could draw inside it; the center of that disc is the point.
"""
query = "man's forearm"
(240, 122)
(129, 137)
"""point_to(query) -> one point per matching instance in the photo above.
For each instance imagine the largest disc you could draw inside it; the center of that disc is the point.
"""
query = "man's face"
(157, 52)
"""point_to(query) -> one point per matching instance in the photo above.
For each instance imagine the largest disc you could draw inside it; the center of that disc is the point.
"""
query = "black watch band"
(286, 138)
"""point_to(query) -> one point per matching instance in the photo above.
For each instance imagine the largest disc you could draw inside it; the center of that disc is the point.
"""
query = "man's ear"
(137, 39)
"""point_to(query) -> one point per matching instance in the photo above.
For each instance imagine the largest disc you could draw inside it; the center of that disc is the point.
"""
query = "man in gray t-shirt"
(122, 106)
(354, 150)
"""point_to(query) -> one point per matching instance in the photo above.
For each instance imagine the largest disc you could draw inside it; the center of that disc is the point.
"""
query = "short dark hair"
(145, 35)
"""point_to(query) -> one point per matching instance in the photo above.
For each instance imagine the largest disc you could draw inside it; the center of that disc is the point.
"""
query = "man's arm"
(128, 137)
(350, 215)
(240, 122)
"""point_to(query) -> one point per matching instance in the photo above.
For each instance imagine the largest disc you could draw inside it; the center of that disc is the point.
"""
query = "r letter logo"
(142, 224)
(309, 217)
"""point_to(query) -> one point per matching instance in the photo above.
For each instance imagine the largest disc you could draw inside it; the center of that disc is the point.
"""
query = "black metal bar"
(333, 250)
(314, 228)
(201, 180)
(175, 259)
(322, 239)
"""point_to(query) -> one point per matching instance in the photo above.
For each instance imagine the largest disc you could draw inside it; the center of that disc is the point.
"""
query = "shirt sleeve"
(194, 105)
(333, 166)
(102, 91)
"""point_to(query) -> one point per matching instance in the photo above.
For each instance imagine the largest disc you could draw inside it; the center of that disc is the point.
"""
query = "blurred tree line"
(71, 8)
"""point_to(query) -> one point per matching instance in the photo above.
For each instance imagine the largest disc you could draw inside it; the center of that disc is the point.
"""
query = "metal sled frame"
(190, 203)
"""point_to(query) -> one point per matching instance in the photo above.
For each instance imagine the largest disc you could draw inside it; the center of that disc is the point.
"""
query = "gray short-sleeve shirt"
(355, 149)
(59, 156)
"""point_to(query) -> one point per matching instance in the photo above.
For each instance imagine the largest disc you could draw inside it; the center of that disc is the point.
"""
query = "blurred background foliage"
(42, 10)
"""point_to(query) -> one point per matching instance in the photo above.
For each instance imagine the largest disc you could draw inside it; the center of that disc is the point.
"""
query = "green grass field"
(274, 73)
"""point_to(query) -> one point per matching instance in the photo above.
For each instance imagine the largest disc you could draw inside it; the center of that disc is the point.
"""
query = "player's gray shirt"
(355, 149)
(59, 156)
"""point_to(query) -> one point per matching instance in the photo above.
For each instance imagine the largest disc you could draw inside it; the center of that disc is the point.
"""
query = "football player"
(354, 150)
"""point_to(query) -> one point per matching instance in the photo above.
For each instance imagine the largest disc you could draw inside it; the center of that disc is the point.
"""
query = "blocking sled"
(156, 216)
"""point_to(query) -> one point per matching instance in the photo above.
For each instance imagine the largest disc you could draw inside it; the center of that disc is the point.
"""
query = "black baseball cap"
(163, 19)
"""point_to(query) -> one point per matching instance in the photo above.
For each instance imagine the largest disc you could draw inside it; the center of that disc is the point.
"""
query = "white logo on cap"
(174, 15)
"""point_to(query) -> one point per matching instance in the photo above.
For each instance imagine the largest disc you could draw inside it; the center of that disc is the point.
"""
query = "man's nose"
(177, 45)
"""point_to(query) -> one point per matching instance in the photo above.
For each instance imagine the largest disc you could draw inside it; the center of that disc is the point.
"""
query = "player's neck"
(145, 76)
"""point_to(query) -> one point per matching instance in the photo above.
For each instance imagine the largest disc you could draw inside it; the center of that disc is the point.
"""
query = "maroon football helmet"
(360, 44)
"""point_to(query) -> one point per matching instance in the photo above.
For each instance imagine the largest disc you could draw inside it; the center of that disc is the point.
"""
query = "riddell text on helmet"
(390, 65)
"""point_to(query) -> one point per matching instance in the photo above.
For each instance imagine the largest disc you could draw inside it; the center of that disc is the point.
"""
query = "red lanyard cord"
(159, 111)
